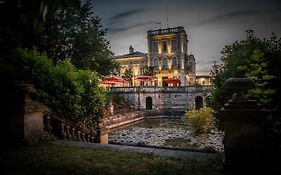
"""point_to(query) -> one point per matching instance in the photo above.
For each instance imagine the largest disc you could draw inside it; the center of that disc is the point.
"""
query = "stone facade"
(173, 99)
(167, 58)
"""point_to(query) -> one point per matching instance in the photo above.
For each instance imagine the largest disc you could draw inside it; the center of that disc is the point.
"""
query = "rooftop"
(178, 29)
(134, 54)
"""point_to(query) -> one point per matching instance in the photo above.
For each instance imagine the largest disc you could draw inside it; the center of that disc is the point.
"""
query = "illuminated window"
(164, 63)
(154, 47)
(174, 45)
(164, 46)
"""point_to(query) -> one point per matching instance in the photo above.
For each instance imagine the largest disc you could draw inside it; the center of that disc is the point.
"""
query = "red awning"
(145, 78)
(111, 78)
(107, 82)
(114, 79)
(121, 80)
(172, 81)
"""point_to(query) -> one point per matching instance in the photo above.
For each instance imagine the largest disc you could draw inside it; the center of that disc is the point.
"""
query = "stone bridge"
(174, 99)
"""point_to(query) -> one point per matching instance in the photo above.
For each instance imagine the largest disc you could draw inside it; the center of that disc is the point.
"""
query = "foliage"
(128, 75)
(253, 58)
(149, 71)
(46, 137)
(22, 21)
(62, 28)
(71, 93)
(200, 120)
(74, 32)
(118, 101)
(259, 60)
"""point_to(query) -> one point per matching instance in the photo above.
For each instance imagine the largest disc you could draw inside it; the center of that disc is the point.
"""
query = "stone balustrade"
(67, 130)
(154, 89)
(121, 119)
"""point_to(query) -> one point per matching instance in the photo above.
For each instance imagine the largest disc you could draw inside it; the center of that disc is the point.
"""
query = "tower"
(167, 54)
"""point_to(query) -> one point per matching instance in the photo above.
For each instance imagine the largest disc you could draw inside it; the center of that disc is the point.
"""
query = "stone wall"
(25, 117)
(163, 98)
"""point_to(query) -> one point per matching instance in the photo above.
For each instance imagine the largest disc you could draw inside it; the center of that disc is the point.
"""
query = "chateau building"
(167, 58)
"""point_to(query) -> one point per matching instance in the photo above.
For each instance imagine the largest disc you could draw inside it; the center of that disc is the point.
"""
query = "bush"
(46, 137)
(119, 101)
(73, 94)
(200, 120)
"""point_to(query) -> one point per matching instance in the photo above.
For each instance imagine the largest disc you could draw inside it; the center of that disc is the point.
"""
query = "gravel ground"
(167, 133)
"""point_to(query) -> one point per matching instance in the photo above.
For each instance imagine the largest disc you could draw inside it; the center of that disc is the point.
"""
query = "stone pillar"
(244, 122)
(26, 117)
(182, 59)
(102, 135)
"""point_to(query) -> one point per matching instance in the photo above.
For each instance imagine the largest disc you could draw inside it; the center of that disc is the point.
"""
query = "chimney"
(131, 49)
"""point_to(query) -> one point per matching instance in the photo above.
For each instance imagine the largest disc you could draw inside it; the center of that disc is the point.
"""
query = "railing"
(66, 130)
(161, 89)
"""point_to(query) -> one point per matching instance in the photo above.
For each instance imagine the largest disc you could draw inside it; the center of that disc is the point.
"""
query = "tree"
(260, 60)
(253, 58)
(71, 93)
(128, 75)
(76, 33)
(149, 71)
(22, 21)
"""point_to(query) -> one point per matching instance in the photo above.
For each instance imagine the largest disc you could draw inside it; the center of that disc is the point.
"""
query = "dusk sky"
(209, 24)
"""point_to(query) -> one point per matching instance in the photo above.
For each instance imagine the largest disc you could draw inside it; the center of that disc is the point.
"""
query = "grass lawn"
(62, 159)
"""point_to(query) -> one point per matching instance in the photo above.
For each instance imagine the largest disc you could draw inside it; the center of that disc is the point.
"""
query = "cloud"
(125, 14)
(230, 16)
(122, 29)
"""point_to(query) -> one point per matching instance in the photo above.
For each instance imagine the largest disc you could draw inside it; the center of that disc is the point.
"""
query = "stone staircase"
(66, 130)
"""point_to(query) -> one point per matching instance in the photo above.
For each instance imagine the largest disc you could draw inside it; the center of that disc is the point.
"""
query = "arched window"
(155, 62)
(151, 63)
(165, 63)
(174, 62)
